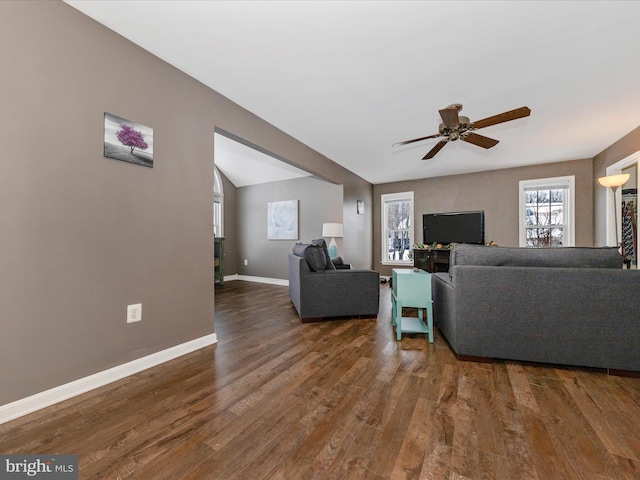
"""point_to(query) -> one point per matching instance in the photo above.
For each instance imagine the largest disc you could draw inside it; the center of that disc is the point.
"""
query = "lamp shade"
(614, 181)
(331, 230)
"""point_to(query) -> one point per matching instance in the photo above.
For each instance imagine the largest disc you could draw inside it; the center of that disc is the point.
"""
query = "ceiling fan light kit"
(456, 127)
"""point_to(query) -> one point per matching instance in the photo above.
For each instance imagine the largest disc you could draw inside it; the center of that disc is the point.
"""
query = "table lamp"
(332, 230)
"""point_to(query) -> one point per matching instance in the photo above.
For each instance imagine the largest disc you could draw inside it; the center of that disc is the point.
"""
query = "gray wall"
(358, 244)
(230, 226)
(318, 202)
(84, 236)
(495, 192)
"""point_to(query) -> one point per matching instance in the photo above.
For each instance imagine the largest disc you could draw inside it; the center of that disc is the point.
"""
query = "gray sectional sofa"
(570, 306)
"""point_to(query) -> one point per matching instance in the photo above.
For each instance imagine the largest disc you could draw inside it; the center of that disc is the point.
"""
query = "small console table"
(431, 259)
(411, 288)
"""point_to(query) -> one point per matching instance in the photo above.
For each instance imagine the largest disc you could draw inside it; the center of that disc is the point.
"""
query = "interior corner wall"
(357, 226)
(495, 192)
(230, 226)
(318, 202)
(627, 145)
(83, 236)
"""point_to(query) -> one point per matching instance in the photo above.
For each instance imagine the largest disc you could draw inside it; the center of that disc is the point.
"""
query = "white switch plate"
(134, 313)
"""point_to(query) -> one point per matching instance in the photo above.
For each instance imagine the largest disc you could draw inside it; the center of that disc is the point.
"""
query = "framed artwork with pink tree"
(127, 141)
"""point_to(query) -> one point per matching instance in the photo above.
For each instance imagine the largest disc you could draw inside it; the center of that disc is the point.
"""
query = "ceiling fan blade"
(417, 139)
(436, 149)
(450, 117)
(480, 140)
(502, 117)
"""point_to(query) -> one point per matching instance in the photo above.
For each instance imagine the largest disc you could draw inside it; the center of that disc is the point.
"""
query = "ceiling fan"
(455, 127)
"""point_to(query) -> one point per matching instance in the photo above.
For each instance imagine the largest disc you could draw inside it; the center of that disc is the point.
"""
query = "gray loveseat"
(570, 306)
(318, 290)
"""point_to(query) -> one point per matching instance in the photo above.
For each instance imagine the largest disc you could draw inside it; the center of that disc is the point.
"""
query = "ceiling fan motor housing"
(454, 133)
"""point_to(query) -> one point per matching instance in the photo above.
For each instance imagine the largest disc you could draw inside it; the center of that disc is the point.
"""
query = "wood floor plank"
(318, 434)
(490, 429)
(598, 419)
(573, 436)
(465, 461)
(444, 423)
(437, 461)
(396, 421)
(339, 399)
(411, 456)
(517, 461)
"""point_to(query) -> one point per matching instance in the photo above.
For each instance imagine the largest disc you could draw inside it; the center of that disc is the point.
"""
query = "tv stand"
(432, 260)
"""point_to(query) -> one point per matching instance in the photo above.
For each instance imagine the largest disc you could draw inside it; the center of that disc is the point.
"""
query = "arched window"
(218, 204)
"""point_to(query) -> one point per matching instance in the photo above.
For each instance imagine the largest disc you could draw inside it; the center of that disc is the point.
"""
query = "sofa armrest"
(444, 308)
(339, 264)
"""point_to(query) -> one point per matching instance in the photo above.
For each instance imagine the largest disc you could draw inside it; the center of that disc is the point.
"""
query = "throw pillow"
(299, 248)
(320, 242)
(312, 254)
(315, 258)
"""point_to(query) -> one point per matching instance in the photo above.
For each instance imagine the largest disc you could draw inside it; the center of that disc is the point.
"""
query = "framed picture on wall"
(282, 220)
(127, 141)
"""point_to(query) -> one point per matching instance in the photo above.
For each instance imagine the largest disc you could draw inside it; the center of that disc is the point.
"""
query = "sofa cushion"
(313, 254)
(320, 242)
(571, 257)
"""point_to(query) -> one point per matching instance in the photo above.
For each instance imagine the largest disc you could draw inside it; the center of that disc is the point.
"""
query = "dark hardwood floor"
(342, 399)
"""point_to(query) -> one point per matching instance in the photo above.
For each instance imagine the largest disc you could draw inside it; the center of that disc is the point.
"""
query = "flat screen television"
(453, 227)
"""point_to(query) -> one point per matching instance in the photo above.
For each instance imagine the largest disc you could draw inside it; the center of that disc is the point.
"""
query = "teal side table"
(411, 288)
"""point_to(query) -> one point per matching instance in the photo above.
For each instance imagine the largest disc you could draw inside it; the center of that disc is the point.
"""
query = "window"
(218, 204)
(397, 227)
(547, 212)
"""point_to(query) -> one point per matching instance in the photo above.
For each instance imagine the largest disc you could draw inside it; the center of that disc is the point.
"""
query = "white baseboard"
(27, 405)
(249, 278)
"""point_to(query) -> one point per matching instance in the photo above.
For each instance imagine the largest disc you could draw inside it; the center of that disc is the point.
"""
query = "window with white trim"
(218, 204)
(397, 228)
(547, 212)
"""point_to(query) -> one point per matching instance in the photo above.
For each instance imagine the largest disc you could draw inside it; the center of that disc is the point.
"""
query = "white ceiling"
(244, 165)
(350, 78)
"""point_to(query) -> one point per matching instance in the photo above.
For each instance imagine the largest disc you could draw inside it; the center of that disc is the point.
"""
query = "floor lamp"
(614, 182)
(332, 230)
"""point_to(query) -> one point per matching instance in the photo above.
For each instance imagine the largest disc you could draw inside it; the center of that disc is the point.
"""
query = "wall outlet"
(246, 262)
(134, 313)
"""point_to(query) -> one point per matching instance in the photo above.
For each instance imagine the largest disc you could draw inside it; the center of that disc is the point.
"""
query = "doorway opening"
(626, 205)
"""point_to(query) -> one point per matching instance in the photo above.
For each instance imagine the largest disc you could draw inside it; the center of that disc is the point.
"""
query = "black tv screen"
(453, 227)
